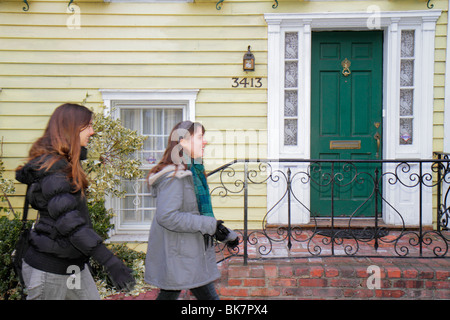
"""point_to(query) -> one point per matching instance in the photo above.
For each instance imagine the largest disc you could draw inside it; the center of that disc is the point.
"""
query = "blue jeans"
(41, 285)
(206, 292)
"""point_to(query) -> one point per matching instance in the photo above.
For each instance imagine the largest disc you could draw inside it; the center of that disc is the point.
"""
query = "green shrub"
(9, 282)
(101, 218)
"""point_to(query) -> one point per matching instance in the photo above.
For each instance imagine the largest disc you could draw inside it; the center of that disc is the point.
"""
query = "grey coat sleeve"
(170, 216)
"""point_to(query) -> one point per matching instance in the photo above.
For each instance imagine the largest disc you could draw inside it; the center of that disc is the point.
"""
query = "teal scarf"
(201, 188)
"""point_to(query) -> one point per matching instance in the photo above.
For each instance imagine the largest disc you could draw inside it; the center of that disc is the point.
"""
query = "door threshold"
(343, 223)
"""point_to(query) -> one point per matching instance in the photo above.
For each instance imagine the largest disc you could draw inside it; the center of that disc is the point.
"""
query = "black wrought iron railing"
(383, 208)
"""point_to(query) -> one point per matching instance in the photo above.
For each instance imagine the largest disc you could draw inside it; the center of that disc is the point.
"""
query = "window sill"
(120, 238)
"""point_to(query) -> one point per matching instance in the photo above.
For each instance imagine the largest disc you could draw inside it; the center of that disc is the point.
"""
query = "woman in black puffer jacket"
(63, 238)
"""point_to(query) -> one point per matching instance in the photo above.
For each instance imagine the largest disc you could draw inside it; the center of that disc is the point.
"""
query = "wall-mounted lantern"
(249, 61)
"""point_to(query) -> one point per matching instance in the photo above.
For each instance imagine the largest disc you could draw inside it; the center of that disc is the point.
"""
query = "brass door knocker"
(346, 67)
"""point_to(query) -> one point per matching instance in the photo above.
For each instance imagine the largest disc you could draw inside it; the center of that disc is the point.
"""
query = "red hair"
(61, 140)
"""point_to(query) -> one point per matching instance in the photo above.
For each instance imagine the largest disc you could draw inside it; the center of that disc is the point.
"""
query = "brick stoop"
(343, 278)
(335, 278)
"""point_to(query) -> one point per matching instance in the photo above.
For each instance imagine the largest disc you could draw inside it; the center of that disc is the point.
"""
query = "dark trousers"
(206, 292)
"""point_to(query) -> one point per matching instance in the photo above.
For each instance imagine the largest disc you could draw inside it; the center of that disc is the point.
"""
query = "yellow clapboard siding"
(13, 136)
(51, 96)
(26, 108)
(439, 105)
(17, 150)
(142, 33)
(254, 214)
(232, 96)
(217, 158)
(439, 55)
(131, 8)
(126, 58)
(233, 202)
(239, 137)
(77, 95)
(152, 19)
(439, 92)
(230, 70)
(247, 109)
(23, 122)
(131, 45)
(12, 163)
(441, 42)
(253, 123)
(142, 82)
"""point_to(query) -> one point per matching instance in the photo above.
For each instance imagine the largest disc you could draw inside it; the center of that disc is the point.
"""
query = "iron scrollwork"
(291, 177)
(27, 6)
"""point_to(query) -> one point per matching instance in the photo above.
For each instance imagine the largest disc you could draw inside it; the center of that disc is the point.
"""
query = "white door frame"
(392, 22)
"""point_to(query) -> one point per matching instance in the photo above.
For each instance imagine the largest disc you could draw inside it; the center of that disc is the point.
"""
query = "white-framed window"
(153, 114)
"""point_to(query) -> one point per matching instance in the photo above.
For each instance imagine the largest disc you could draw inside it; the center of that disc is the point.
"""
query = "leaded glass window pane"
(407, 47)
(290, 103)
(407, 73)
(291, 74)
(290, 132)
(291, 45)
(406, 102)
(406, 131)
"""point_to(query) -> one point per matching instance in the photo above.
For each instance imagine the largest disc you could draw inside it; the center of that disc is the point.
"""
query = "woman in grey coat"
(180, 252)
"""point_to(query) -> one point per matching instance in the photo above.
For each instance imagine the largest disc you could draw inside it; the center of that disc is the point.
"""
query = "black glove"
(120, 275)
(223, 234)
(233, 243)
(221, 231)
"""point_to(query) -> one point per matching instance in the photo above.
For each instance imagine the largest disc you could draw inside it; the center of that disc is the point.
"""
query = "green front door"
(346, 121)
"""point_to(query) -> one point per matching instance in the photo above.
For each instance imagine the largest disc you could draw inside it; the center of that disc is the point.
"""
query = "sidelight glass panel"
(407, 74)
(291, 64)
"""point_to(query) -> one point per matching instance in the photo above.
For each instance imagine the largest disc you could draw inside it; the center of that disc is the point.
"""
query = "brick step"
(336, 278)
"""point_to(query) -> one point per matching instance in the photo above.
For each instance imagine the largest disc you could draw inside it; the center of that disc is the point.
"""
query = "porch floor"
(280, 273)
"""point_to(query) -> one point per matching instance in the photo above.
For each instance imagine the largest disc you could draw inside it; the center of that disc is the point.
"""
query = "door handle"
(378, 138)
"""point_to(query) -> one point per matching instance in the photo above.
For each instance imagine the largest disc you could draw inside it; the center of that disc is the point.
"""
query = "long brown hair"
(61, 140)
(174, 152)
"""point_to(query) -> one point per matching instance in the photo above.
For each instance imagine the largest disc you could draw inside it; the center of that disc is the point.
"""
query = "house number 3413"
(246, 82)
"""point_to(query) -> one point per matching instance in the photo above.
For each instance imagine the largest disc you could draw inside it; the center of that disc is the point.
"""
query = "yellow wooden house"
(152, 63)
